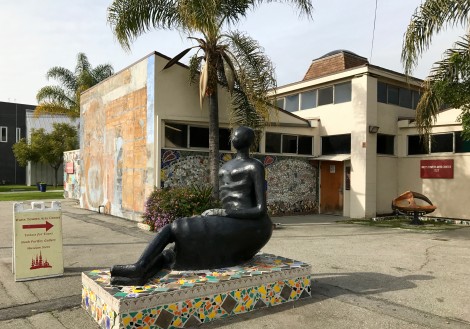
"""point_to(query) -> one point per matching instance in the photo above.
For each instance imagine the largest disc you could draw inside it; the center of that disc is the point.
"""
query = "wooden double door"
(331, 187)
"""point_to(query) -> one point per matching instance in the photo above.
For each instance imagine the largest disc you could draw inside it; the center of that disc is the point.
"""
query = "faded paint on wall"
(149, 175)
(114, 143)
(72, 180)
(291, 181)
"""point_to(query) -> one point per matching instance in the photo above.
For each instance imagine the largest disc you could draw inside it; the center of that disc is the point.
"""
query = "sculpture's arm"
(260, 209)
(215, 212)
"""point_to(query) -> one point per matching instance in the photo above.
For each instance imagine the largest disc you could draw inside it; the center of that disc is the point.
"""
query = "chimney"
(333, 62)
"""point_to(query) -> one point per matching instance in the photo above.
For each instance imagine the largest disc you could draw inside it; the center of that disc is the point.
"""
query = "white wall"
(451, 196)
(387, 182)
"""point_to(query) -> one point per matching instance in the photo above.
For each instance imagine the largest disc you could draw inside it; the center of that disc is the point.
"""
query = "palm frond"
(428, 108)
(102, 72)
(56, 109)
(254, 71)
(83, 64)
(194, 67)
(55, 94)
(63, 76)
(429, 19)
(448, 85)
(65, 99)
(203, 82)
(131, 18)
(455, 66)
(175, 59)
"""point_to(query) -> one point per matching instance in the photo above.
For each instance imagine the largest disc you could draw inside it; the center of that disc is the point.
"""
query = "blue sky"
(37, 35)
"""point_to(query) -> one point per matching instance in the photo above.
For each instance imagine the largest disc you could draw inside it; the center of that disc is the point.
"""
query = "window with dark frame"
(336, 144)
(385, 144)
(198, 137)
(416, 95)
(280, 102)
(3, 134)
(442, 143)
(305, 145)
(176, 135)
(461, 145)
(224, 139)
(18, 134)
(381, 92)
(325, 96)
(416, 145)
(289, 144)
(308, 100)
(393, 95)
(292, 103)
(404, 97)
(343, 92)
(273, 143)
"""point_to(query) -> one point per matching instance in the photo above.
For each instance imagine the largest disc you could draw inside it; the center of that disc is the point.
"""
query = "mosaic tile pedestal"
(183, 299)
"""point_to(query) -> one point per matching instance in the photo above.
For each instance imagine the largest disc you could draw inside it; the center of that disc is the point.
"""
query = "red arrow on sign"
(47, 226)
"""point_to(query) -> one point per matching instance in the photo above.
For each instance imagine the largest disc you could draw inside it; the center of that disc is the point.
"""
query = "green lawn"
(31, 195)
(12, 188)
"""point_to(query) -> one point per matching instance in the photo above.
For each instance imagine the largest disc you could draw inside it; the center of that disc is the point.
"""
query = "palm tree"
(449, 81)
(229, 58)
(65, 98)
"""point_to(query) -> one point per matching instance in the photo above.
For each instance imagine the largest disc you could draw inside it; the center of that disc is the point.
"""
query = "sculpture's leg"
(152, 260)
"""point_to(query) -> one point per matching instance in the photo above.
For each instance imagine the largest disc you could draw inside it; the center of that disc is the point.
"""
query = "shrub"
(167, 204)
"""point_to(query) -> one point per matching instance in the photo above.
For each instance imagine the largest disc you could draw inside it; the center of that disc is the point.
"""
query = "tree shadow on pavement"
(363, 283)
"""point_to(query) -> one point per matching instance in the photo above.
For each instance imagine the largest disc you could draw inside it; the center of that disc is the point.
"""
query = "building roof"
(333, 62)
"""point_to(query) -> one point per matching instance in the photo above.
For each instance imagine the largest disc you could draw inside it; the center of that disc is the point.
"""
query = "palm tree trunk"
(214, 143)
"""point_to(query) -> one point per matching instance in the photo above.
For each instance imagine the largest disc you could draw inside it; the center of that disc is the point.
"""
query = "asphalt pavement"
(362, 277)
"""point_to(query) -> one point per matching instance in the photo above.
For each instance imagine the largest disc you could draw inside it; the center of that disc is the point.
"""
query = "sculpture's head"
(242, 137)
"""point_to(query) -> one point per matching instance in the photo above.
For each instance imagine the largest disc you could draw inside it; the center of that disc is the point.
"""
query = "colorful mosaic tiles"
(180, 299)
(291, 181)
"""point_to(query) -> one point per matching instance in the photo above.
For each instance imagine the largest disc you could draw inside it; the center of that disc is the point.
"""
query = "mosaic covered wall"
(291, 181)
(72, 174)
(115, 143)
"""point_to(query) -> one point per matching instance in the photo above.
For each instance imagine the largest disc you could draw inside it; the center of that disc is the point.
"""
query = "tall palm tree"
(229, 58)
(449, 81)
(64, 99)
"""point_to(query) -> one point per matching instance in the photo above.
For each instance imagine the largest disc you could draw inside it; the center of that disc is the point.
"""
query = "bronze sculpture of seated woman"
(219, 237)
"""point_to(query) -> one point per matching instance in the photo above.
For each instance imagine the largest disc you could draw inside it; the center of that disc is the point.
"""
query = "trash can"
(42, 187)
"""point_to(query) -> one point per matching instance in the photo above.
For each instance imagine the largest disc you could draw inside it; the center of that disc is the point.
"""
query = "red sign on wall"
(437, 168)
(69, 168)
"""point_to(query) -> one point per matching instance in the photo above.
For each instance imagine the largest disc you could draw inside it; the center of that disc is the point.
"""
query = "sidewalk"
(363, 277)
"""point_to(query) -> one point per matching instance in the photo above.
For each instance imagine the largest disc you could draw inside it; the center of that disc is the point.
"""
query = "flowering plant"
(167, 204)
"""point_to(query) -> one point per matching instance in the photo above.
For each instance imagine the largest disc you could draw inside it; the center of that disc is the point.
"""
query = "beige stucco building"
(341, 141)
(143, 128)
(362, 169)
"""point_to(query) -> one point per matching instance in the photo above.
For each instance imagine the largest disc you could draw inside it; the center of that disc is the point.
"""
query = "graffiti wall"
(114, 143)
(72, 174)
(291, 181)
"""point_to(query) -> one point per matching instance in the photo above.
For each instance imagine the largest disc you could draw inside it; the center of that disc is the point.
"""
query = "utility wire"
(373, 32)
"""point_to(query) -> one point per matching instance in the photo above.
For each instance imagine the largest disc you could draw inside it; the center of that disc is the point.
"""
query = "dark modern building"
(12, 129)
